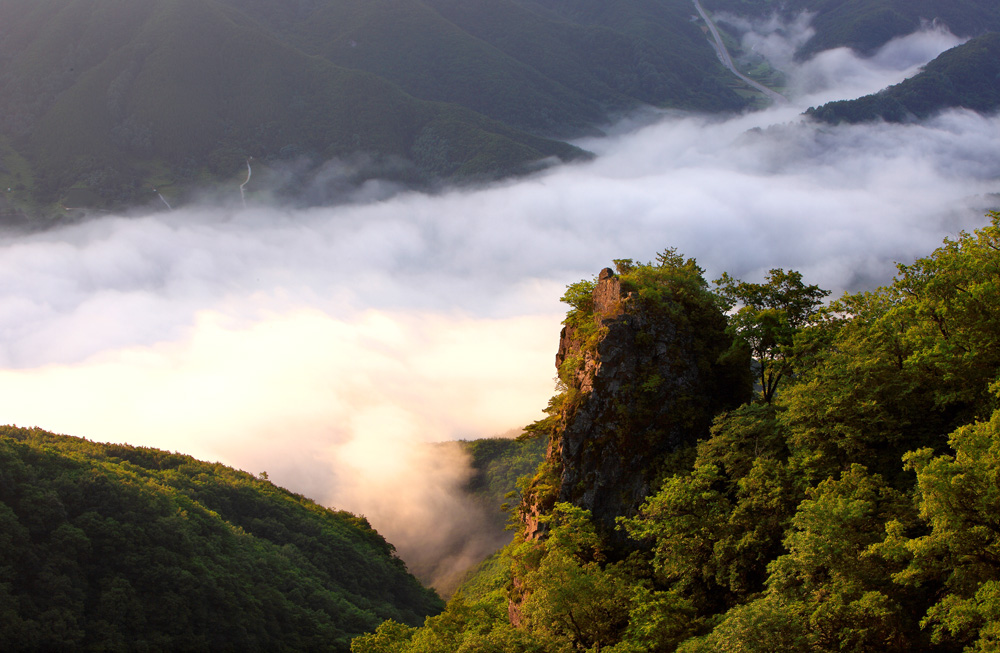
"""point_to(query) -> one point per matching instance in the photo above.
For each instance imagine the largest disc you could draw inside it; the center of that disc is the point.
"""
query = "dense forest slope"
(110, 99)
(100, 101)
(111, 547)
(865, 25)
(967, 76)
(851, 505)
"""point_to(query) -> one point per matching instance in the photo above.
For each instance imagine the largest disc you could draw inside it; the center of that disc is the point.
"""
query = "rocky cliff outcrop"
(642, 379)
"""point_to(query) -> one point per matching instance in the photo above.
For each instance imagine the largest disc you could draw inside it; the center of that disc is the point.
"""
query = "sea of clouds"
(329, 346)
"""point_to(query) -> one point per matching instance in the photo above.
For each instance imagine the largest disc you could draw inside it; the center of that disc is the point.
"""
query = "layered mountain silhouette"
(107, 103)
(109, 98)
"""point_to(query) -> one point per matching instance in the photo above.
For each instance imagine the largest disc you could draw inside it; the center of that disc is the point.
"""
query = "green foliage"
(830, 591)
(571, 599)
(770, 314)
(575, 599)
(475, 621)
(887, 371)
(389, 637)
(959, 498)
(117, 547)
(829, 573)
(670, 279)
(906, 364)
(580, 297)
(714, 530)
(952, 326)
(685, 520)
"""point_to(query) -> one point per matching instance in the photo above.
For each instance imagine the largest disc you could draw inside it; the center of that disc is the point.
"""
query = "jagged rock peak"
(644, 373)
(607, 294)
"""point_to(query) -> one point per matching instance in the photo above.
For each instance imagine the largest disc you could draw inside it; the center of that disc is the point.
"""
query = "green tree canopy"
(768, 316)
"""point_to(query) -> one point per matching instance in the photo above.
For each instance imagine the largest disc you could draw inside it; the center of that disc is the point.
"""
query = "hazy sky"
(325, 346)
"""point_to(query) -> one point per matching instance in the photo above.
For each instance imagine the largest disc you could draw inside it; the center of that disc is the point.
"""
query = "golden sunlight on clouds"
(255, 395)
(342, 411)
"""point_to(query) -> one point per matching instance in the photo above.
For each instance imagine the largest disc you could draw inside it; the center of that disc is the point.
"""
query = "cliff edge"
(644, 365)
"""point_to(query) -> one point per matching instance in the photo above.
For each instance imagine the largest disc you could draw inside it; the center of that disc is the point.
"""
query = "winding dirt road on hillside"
(727, 61)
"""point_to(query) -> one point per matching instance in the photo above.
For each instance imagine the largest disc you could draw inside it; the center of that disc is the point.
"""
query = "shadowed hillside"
(101, 101)
(112, 547)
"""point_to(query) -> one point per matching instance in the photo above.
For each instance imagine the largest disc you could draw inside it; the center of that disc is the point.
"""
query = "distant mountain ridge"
(107, 103)
(967, 76)
(110, 99)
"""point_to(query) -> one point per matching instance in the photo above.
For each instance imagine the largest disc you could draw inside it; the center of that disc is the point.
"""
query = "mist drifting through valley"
(330, 346)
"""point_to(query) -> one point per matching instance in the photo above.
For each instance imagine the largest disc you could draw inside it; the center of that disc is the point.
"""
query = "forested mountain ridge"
(967, 76)
(112, 547)
(102, 101)
(111, 100)
(104, 104)
(850, 506)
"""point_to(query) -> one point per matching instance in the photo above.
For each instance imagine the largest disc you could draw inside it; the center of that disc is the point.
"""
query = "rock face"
(648, 380)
